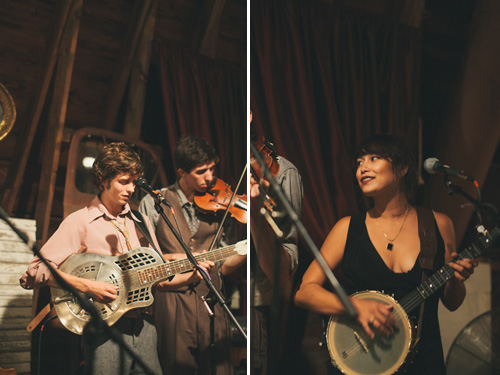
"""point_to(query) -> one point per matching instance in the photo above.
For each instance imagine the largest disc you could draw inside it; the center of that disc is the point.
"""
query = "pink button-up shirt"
(86, 230)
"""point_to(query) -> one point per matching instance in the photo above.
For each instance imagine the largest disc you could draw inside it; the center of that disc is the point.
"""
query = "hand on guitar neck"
(186, 278)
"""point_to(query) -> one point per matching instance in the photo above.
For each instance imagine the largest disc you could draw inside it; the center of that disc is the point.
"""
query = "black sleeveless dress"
(366, 270)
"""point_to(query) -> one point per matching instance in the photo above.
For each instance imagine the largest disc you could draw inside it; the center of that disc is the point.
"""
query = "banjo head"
(353, 352)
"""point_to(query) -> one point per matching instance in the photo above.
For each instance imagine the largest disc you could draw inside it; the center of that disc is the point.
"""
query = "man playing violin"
(263, 278)
(182, 319)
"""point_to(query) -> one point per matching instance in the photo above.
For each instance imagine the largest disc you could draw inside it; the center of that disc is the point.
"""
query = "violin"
(268, 152)
(217, 198)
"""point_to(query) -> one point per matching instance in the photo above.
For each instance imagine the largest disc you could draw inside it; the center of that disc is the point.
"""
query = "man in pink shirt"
(108, 227)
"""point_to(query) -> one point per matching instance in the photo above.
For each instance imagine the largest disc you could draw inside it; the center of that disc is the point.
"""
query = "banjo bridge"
(361, 342)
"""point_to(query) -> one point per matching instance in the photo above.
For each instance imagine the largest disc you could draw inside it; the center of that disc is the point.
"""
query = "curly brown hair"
(112, 160)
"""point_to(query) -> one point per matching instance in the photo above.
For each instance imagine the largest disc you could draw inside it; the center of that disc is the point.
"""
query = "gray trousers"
(103, 356)
(259, 348)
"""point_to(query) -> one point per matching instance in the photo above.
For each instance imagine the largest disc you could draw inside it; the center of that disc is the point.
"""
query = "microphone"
(433, 165)
(142, 184)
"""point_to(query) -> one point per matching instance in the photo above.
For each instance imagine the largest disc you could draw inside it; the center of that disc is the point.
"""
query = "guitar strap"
(428, 238)
(428, 250)
(141, 225)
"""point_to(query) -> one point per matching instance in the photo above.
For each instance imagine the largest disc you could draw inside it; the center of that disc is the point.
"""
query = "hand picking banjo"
(134, 273)
(355, 353)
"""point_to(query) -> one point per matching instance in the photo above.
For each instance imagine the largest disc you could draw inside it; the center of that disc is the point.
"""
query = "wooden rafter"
(56, 119)
(142, 11)
(207, 35)
(139, 78)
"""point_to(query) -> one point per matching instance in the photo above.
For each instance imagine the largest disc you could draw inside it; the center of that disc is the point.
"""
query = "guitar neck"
(442, 276)
(183, 265)
(169, 269)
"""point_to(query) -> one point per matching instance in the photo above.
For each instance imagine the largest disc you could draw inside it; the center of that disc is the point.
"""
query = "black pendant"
(389, 246)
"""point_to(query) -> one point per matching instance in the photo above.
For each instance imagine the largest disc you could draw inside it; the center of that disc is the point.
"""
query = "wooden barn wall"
(15, 302)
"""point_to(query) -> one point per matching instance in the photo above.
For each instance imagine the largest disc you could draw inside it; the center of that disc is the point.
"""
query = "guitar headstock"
(486, 239)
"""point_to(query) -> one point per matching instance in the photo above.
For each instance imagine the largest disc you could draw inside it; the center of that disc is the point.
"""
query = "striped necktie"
(191, 217)
(123, 230)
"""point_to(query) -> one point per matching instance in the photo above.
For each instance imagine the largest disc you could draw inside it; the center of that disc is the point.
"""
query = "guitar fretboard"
(169, 269)
(442, 276)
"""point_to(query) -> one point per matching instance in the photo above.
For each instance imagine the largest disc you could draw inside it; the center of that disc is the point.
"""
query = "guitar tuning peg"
(481, 229)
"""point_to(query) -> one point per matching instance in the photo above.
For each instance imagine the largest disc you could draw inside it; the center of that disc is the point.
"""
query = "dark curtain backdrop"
(205, 99)
(323, 78)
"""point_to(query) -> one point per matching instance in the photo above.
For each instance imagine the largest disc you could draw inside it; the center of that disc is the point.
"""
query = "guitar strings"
(180, 264)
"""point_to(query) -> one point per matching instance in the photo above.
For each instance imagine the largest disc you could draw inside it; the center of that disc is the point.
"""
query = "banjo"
(134, 273)
(353, 352)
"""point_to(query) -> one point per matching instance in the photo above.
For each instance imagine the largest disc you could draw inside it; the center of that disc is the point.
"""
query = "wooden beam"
(25, 137)
(56, 119)
(207, 36)
(139, 78)
(121, 74)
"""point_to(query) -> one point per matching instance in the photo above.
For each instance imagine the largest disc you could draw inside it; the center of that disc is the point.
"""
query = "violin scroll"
(268, 152)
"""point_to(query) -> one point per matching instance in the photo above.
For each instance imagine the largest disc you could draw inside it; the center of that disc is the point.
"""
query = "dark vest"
(201, 240)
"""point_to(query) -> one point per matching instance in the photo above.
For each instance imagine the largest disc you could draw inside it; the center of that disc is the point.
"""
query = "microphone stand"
(351, 311)
(205, 275)
(490, 210)
(96, 323)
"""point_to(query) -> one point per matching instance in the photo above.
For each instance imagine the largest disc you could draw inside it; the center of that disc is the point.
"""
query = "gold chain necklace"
(390, 244)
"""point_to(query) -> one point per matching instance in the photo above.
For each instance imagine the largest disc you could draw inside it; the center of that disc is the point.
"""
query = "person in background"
(263, 277)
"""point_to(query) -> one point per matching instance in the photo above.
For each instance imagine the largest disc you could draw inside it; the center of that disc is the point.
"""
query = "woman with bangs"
(381, 249)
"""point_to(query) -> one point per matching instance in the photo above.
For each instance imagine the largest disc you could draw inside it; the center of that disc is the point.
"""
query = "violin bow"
(219, 230)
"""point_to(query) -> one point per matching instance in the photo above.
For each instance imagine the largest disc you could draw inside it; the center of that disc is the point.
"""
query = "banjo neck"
(443, 275)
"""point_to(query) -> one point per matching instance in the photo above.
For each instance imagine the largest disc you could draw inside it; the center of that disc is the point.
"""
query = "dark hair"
(114, 159)
(396, 151)
(191, 152)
